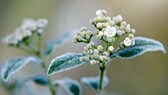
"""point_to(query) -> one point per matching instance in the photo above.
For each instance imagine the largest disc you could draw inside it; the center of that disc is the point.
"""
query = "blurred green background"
(144, 75)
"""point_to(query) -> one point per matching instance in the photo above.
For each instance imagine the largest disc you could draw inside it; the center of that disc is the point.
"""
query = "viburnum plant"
(28, 38)
(113, 37)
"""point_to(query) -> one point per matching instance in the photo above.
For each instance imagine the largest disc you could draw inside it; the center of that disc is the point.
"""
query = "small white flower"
(111, 48)
(127, 42)
(110, 31)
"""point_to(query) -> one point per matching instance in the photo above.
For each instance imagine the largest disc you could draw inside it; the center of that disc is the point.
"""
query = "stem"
(102, 73)
(39, 54)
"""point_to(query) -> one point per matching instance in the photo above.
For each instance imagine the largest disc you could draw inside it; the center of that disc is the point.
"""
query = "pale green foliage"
(141, 46)
(64, 62)
(15, 64)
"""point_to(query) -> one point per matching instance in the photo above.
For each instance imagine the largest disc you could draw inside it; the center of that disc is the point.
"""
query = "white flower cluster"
(108, 31)
(28, 27)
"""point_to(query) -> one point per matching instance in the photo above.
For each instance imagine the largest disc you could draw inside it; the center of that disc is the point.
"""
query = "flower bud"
(99, 25)
(101, 33)
(91, 21)
(119, 32)
(99, 13)
(104, 12)
(111, 23)
(110, 48)
(119, 18)
(127, 42)
(133, 31)
(99, 19)
(106, 54)
(93, 62)
(86, 58)
(89, 46)
(100, 48)
(87, 36)
(101, 58)
(123, 23)
(79, 38)
(131, 36)
(82, 59)
(83, 29)
(128, 29)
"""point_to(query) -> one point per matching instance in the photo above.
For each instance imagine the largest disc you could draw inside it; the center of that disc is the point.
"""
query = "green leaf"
(93, 82)
(58, 41)
(15, 64)
(71, 86)
(141, 46)
(64, 62)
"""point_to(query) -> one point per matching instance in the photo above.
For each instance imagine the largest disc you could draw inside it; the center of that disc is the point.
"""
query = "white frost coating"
(66, 84)
(152, 40)
(157, 47)
(17, 66)
(65, 56)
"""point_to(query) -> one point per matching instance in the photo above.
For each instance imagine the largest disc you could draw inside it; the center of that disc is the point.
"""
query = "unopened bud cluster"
(28, 27)
(94, 54)
(83, 36)
(108, 31)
